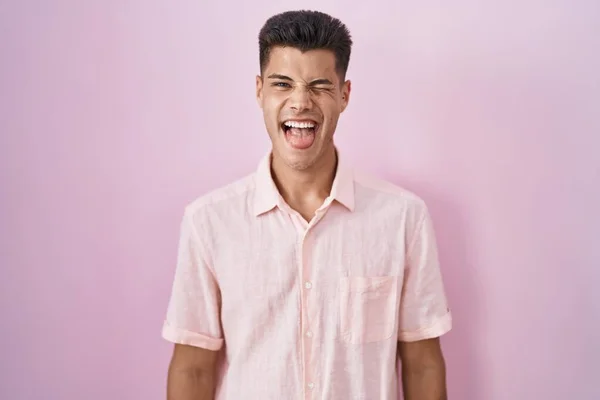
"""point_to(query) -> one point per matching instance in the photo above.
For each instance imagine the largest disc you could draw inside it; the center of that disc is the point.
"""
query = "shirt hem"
(181, 336)
(441, 327)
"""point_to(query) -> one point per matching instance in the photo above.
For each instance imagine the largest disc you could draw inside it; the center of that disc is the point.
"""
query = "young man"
(306, 280)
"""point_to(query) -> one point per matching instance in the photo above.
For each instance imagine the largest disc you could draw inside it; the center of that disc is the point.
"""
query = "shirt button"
(311, 385)
(309, 334)
(308, 285)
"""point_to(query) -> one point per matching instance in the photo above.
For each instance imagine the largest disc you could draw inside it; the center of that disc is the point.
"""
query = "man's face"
(302, 97)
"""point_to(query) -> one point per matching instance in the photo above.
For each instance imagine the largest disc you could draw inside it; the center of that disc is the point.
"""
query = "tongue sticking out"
(300, 138)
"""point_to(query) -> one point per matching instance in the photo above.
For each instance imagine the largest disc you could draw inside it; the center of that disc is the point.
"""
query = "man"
(306, 280)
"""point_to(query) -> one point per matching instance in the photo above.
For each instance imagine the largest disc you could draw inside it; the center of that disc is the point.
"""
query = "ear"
(259, 90)
(346, 89)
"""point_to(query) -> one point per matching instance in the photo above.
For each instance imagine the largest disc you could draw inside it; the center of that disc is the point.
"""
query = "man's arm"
(424, 313)
(423, 370)
(191, 373)
(193, 320)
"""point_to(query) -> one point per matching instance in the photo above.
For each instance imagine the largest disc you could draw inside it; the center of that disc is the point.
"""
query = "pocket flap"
(364, 284)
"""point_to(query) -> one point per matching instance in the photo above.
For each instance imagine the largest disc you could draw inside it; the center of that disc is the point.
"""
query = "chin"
(297, 159)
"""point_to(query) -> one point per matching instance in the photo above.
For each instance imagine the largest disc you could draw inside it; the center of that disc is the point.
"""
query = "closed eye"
(322, 88)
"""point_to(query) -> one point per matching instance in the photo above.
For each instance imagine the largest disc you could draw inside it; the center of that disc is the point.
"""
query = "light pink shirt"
(307, 310)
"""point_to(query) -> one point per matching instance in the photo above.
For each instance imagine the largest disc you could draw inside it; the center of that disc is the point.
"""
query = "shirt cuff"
(439, 328)
(181, 336)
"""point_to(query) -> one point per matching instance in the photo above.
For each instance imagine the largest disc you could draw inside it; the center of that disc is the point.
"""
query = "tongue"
(300, 138)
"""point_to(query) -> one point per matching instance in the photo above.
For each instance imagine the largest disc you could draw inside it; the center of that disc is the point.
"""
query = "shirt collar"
(268, 197)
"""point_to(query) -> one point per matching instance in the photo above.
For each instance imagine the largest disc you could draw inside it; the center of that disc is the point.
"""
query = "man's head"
(304, 57)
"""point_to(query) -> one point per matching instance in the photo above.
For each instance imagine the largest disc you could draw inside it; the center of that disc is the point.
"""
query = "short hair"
(306, 30)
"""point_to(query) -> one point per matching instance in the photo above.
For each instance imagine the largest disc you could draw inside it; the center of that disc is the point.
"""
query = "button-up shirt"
(307, 310)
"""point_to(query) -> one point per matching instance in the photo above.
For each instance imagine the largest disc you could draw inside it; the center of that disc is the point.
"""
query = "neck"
(305, 189)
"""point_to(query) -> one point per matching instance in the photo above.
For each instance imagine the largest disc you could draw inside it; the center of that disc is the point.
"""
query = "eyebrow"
(321, 81)
(279, 76)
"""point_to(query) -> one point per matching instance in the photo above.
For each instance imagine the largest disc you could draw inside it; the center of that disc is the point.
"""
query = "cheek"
(331, 111)
(328, 102)
(273, 105)
(271, 113)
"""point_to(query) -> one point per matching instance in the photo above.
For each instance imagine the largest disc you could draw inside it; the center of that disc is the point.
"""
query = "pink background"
(113, 115)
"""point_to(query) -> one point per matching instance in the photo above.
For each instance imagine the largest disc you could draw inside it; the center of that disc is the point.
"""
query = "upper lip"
(300, 120)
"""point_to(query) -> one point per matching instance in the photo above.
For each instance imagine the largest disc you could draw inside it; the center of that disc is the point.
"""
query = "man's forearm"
(425, 384)
(190, 385)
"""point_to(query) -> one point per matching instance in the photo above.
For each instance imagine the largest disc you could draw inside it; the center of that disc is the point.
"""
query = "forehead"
(309, 65)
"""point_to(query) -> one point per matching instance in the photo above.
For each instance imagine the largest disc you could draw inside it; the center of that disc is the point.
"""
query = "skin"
(191, 374)
(305, 86)
(302, 86)
(423, 370)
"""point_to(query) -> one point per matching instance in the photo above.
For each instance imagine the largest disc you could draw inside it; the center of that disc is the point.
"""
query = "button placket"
(308, 297)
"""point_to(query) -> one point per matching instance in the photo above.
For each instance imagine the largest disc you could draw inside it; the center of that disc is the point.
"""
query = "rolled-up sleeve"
(424, 310)
(193, 316)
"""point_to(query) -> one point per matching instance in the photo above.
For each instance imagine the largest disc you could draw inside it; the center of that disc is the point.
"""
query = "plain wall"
(114, 115)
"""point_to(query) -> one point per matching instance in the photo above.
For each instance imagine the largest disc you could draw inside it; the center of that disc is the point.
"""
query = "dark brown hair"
(306, 30)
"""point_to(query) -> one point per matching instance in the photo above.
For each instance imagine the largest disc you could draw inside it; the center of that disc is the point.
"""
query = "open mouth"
(300, 134)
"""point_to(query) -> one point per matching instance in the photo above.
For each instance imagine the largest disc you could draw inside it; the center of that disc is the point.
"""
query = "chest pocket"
(368, 308)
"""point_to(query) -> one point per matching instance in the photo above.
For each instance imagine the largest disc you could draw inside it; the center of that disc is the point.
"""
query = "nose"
(300, 99)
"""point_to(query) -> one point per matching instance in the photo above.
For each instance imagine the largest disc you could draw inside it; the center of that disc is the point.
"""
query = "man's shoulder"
(233, 192)
(388, 190)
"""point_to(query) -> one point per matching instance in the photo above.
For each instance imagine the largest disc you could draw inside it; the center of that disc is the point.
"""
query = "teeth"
(294, 124)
